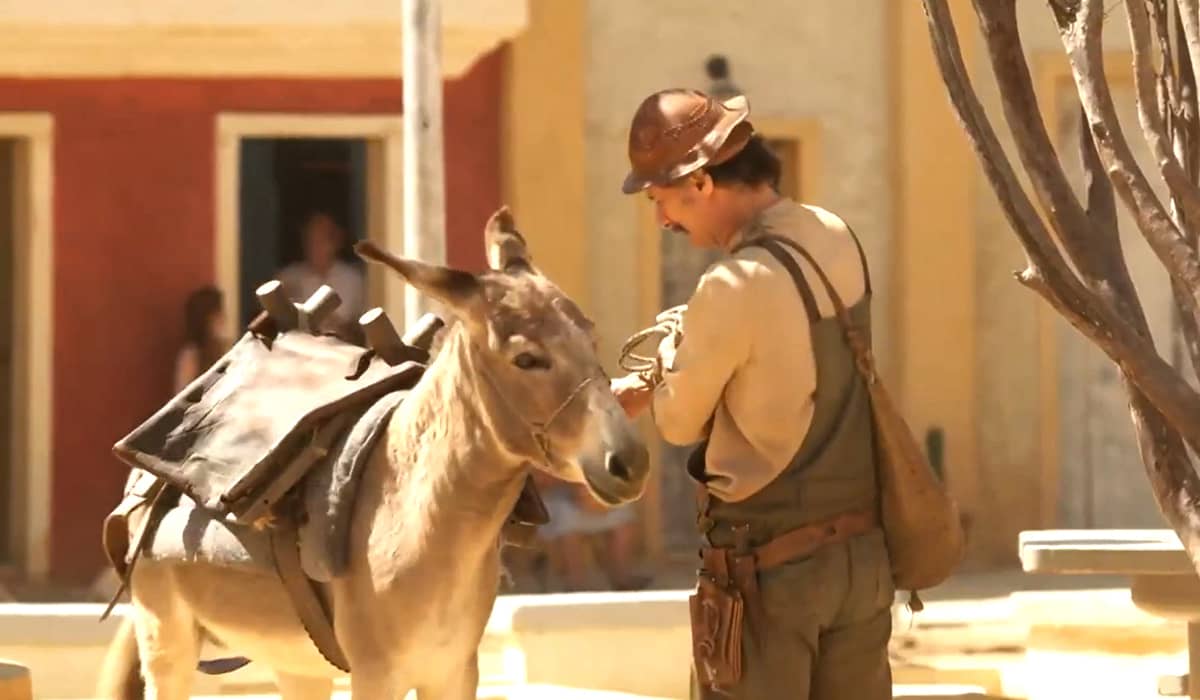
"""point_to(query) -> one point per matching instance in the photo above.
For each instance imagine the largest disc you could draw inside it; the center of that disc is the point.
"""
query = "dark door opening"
(8, 505)
(283, 182)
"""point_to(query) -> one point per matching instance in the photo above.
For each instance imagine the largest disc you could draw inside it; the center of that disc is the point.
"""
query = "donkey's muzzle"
(624, 474)
(628, 465)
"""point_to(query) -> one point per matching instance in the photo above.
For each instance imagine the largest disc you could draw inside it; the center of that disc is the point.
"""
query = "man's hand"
(634, 395)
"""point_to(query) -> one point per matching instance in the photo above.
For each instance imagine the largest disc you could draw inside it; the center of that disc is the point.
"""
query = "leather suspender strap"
(864, 358)
(305, 598)
(767, 242)
(802, 286)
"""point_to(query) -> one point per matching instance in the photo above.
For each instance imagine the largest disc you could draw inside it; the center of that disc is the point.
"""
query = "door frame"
(1052, 73)
(383, 134)
(33, 336)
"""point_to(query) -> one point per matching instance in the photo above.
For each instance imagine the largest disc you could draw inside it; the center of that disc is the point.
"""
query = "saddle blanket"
(189, 532)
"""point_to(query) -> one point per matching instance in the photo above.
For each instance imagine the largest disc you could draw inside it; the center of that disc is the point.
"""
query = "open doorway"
(284, 182)
(8, 505)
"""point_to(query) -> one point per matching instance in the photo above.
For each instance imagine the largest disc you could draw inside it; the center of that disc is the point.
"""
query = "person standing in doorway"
(204, 335)
(795, 590)
(323, 241)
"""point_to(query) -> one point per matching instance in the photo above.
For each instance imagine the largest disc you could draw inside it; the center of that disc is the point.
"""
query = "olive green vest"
(834, 470)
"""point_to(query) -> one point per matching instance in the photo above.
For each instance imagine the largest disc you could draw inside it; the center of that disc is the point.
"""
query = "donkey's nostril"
(616, 467)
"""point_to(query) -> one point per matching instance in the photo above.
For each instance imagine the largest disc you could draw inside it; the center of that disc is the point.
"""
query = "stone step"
(560, 692)
(989, 680)
(944, 692)
(1101, 621)
(493, 692)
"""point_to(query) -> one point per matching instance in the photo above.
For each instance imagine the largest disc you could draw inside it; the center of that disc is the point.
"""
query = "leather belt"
(797, 543)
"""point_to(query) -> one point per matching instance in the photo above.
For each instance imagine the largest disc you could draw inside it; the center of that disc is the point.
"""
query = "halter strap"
(538, 430)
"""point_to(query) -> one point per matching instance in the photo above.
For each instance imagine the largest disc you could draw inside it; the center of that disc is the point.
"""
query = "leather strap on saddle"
(310, 606)
(145, 489)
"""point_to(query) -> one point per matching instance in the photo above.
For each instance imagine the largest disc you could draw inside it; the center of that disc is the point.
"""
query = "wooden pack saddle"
(239, 439)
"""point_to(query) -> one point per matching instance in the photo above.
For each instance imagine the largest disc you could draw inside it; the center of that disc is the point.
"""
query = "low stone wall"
(632, 643)
(639, 644)
(64, 645)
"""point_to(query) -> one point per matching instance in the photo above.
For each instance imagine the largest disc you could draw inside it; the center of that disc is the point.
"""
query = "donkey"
(516, 384)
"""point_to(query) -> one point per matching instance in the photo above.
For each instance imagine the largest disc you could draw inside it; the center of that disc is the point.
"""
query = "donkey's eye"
(528, 360)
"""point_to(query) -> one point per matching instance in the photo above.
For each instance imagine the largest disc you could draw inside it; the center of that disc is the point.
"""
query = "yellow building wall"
(934, 252)
(543, 140)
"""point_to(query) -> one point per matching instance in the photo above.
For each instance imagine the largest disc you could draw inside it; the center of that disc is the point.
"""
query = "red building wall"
(134, 210)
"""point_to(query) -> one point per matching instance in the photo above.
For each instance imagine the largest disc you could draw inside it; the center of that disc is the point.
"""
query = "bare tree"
(1074, 258)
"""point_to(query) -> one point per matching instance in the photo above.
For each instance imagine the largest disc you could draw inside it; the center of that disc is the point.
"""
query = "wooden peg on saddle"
(317, 308)
(422, 333)
(382, 337)
(281, 310)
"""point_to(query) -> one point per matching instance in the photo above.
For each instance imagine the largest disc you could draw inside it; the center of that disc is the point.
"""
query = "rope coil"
(649, 367)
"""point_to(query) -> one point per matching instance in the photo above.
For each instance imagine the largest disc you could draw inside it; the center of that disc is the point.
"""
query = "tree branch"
(1189, 17)
(1166, 460)
(1081, 36)
(1043, 253)
(1185, 137)
(1093, 246)
(1129, 349)
(1149, 115)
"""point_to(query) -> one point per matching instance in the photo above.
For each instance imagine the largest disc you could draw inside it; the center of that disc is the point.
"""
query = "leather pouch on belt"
(717, 616)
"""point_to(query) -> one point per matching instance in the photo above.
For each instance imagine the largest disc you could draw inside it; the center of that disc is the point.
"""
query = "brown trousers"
(827, 621)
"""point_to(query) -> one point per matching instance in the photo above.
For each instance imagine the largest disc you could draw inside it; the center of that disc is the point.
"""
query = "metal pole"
(424, 176)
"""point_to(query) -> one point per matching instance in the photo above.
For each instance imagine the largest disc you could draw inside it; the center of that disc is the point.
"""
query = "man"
(795, 585)
(323, 239)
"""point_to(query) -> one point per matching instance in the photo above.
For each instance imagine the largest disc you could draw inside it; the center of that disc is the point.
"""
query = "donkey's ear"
(506, 248)
(454, 288)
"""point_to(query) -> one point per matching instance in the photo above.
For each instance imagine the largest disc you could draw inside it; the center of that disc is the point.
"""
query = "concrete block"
(639, 644)
(15, 681)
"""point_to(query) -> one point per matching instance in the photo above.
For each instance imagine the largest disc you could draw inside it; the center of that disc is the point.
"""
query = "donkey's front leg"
(460, 684)
(371, 682)
(293, 687)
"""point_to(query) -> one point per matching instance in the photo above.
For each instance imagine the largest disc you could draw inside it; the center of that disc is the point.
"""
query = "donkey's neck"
(452, 471)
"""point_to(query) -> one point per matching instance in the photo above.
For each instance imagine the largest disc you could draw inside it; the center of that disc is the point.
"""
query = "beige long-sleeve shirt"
(741, 372)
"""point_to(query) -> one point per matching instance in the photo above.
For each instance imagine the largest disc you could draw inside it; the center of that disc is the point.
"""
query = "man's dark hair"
(754, 165)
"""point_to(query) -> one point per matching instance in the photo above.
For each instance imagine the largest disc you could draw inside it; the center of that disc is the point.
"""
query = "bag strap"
(854, 337)
(862, 256)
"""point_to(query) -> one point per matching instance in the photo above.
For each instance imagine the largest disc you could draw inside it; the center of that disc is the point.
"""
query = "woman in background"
(204, 343)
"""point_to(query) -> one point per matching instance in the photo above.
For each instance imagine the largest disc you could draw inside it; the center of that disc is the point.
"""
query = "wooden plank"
(424, 176)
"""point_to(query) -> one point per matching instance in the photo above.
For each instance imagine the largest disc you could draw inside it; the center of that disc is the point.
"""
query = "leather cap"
(676, 132)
